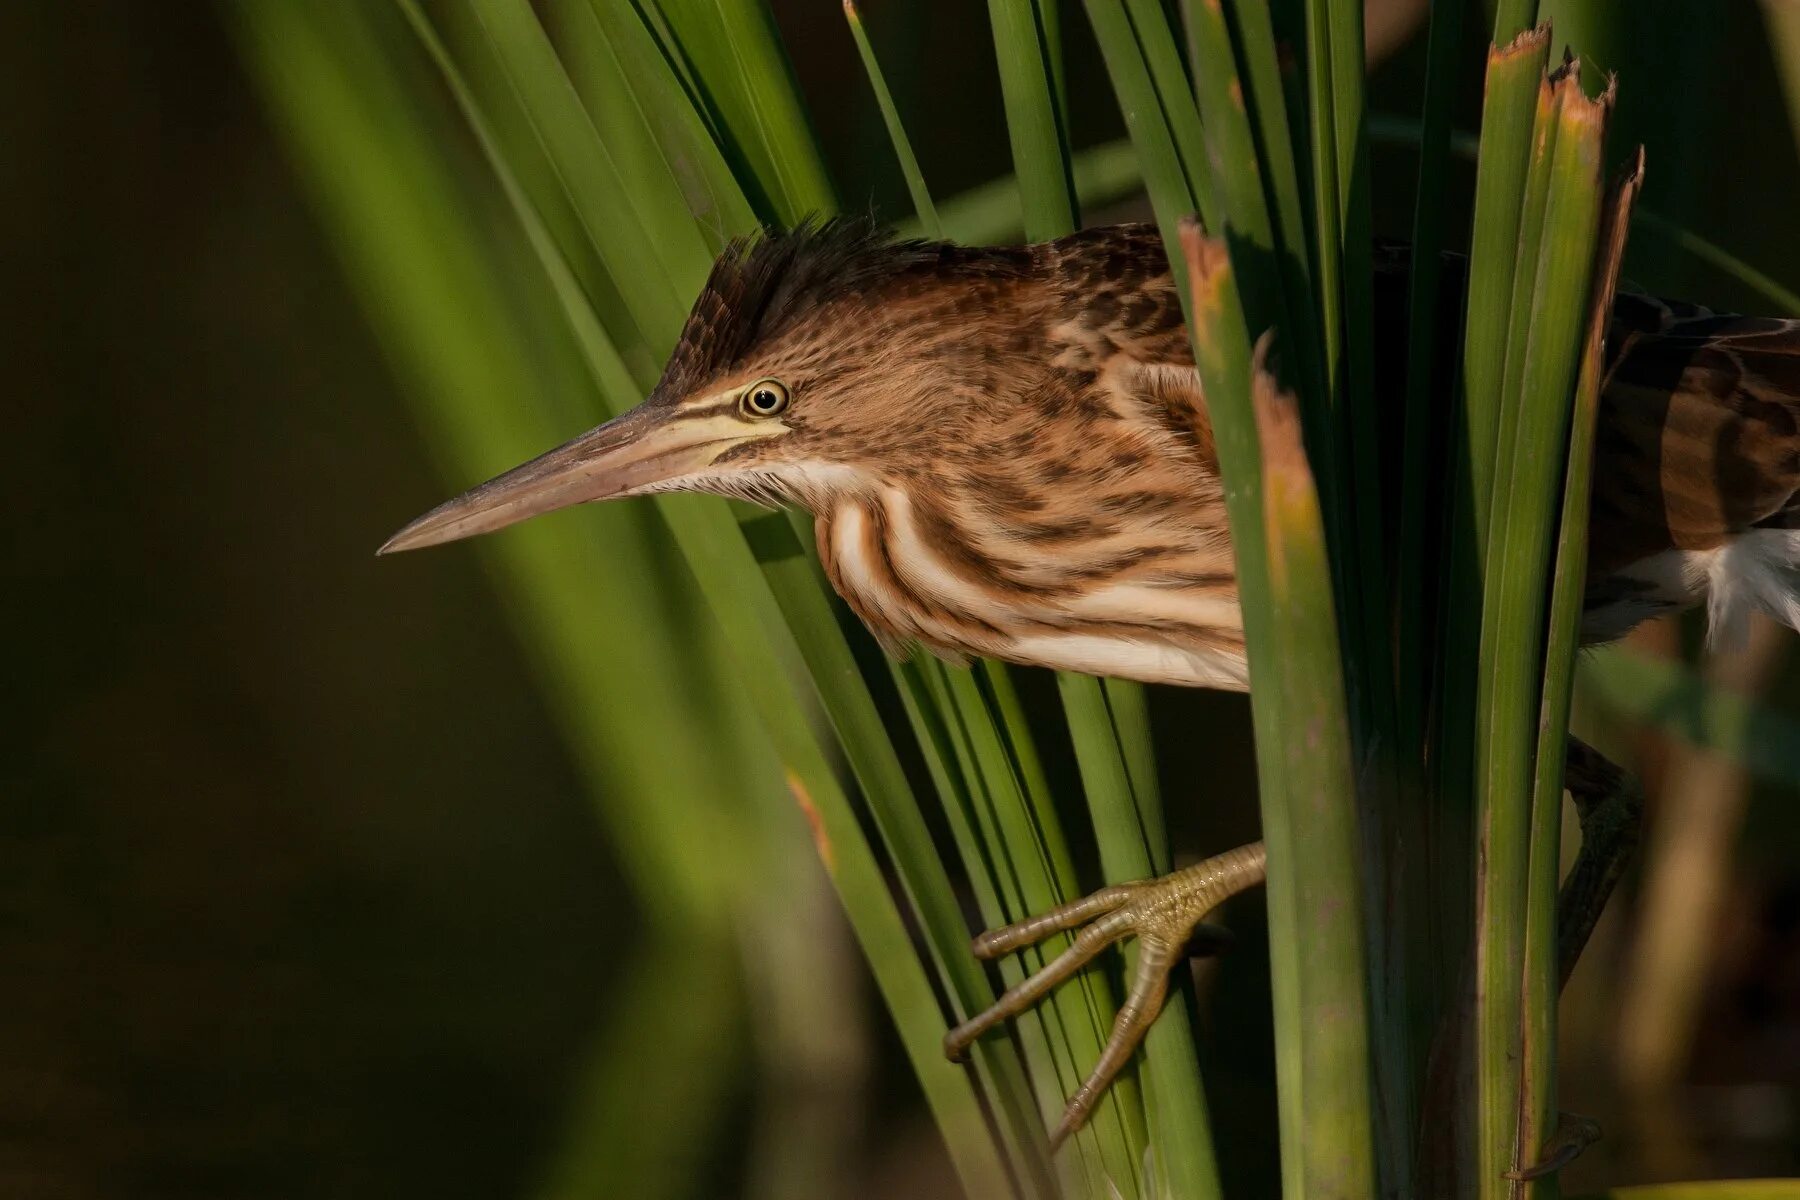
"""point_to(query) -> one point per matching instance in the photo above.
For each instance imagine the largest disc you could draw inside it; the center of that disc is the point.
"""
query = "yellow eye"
(764, 398)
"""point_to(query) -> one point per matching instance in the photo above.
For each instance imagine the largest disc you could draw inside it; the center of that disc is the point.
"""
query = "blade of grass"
(1128, 704)
(996, 754)
(1538, 1113)
(1222, 355)
(1268, 259)
(1424, 424)
(1307, 261)
(1107, 739)
(924, 212)
(1019, 760)
(1556, 256)
(1174, 93)
(1327, 270)
(1344, 25)
(407, 243)
(1513, 75)
(1316, 928)
(1278, 293)
(1648, 220)
(1039, 145)
(1272, 277)
(1332, 1153)
(737, 57)
(1327, 198)
(710, 544)
(1036, 873)
(1512, 18)
(902, 827)
(1177, 187)
(606, 1151)
(1133, 845)
(630, 92)
(667, 250)
(989, 212)
(999, 763)
(924, 694)
(991, 865)
(668, 47)
(509, 125)
(1339, 133)
(1049, 21)
(1046, 193)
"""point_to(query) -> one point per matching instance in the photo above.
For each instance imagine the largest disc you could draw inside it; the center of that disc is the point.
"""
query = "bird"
(1007, 454)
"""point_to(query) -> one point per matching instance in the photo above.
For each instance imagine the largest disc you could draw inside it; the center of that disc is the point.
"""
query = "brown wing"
(1117, 296)
(1699, 434)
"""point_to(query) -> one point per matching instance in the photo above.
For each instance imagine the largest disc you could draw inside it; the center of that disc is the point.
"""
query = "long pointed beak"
(643, 447)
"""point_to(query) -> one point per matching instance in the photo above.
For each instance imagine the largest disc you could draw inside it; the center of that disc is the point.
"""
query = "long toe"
(1164, 914)
(1028, 991)
(1149, 987)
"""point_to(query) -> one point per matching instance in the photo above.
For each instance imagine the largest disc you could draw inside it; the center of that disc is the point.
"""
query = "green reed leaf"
(924, 212)
(989, 213)
(1039, 143)
(1552, 285)
(736, 56)
(1538, 1111)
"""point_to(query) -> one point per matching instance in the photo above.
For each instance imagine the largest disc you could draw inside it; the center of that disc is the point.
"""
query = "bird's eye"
(765, 398)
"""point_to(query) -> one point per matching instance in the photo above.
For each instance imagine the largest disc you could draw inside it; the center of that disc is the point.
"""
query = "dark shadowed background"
(299, 894)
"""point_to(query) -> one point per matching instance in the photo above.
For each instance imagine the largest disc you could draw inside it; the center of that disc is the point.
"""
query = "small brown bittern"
(1007, 454)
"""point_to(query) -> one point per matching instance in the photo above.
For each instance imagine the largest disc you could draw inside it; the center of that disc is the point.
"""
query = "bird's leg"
(1610, 804)
(1163, 913)
(1573, 1135)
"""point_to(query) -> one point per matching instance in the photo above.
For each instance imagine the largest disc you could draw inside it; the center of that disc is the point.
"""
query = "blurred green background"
(303, 893)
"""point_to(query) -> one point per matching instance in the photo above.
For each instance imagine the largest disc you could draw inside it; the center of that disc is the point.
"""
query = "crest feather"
(764, 285)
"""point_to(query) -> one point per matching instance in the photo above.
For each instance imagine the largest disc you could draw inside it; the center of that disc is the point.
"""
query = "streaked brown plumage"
(1007, 454)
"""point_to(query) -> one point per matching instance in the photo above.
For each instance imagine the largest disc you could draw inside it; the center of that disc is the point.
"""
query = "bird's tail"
(1759, 570)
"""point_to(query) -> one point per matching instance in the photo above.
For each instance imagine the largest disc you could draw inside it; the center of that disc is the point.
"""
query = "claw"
(1163, 913)
(1573, 1135)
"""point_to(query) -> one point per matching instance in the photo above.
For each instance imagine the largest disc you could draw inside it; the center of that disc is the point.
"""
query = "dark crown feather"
(764, 285)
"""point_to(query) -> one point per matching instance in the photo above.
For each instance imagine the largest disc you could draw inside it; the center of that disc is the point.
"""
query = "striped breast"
(1079, 523)
(1081, 532)
(1164, 617)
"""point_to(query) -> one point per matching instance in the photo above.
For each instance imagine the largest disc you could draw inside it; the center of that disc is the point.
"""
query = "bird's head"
(817, 361)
